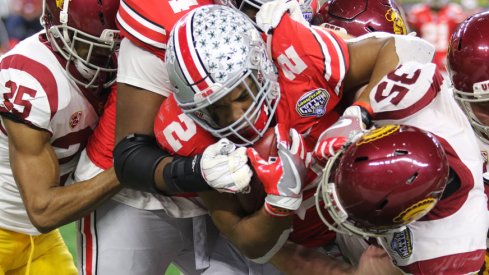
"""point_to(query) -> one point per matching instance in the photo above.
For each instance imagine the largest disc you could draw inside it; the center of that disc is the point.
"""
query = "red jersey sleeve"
(177, 133)
(309, 54)
(312, 63)
(148, 23)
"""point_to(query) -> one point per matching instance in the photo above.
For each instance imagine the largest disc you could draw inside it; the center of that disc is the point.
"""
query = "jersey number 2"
(175, 132)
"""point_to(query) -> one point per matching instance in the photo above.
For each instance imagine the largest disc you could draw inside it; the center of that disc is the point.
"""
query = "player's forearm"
(386, 61)
(295, 259)
(262, 233)
(60, 205)
(253, 235)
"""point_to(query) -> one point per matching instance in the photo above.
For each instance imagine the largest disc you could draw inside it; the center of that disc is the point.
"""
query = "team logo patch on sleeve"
(75, 119)
(402, 243)
(313, 103)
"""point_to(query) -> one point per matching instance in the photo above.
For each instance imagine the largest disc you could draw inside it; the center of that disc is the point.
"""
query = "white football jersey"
(417, 95)
(37, 91)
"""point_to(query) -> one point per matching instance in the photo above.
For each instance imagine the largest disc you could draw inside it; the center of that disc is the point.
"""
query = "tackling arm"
(36, 172)
(294, 259)
(375, 55)
(254, 235)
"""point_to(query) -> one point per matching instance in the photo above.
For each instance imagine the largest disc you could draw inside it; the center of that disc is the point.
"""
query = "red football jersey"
(148, 23)
(311, 72)
(178, 134)
(436, 27)
(101, 142)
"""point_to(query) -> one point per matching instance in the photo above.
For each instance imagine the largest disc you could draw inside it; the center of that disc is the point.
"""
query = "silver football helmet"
(211, 51)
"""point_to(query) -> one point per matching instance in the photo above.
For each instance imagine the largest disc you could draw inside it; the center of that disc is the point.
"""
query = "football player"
(142, 86)
(467, 65)
(416, 234)
(53, 85)
(311, 75)
(163, 224)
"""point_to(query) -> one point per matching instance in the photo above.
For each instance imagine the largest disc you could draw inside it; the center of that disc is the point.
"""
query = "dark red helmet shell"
(468, 53)
(390, 177)
(359, 17)
(89, 16)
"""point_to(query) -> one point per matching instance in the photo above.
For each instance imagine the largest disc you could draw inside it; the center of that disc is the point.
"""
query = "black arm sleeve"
(183, 175)
(136, 158)
(135, 161)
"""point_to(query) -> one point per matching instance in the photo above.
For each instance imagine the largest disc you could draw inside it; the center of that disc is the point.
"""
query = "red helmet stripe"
(188, 57)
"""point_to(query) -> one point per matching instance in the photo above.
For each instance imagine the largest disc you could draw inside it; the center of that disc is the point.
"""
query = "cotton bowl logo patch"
(402, 243)
(313, 103)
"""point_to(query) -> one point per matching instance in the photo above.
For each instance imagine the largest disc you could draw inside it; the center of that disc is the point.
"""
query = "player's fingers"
(254, 157)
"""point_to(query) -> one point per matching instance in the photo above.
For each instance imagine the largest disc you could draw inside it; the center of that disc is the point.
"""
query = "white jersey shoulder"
(427, 103)
(37, 91)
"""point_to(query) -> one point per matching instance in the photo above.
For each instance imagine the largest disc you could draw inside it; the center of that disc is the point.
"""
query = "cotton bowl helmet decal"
(85, 34)
(468, 68)
(212, 50)
(387, 179)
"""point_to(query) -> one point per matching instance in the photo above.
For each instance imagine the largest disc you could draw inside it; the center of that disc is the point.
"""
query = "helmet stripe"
(187, 56)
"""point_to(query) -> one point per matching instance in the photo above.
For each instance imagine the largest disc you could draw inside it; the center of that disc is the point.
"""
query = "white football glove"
(271, 13)
(224, 167)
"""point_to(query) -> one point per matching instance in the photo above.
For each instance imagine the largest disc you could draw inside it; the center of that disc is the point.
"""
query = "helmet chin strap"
(84, 71)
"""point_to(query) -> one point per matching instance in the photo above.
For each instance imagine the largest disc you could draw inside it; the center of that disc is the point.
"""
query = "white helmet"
(211, 51)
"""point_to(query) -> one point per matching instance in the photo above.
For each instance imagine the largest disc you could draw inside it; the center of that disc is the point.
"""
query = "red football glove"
(284, 178)
(351, 125)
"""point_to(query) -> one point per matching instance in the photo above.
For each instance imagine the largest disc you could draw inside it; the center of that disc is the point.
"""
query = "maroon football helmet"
(85, 34)
(359, 17)
(381, 182)
(468, 67)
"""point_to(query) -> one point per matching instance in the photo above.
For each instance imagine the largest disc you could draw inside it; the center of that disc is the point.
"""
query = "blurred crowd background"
(19, 20)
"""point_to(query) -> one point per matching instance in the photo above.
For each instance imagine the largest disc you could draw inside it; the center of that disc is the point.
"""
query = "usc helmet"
(386, 179)
(211, 51)
(85, 34)
(468, 68)
(359, 17)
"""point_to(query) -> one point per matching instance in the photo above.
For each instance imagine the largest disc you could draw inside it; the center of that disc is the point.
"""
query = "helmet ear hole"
(459, 46)
(382, 205)
(360, 159)
(400, 153)
(370, 29)
(412, 178)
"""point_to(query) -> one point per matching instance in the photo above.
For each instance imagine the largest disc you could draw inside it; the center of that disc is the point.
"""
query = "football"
(266, 147)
